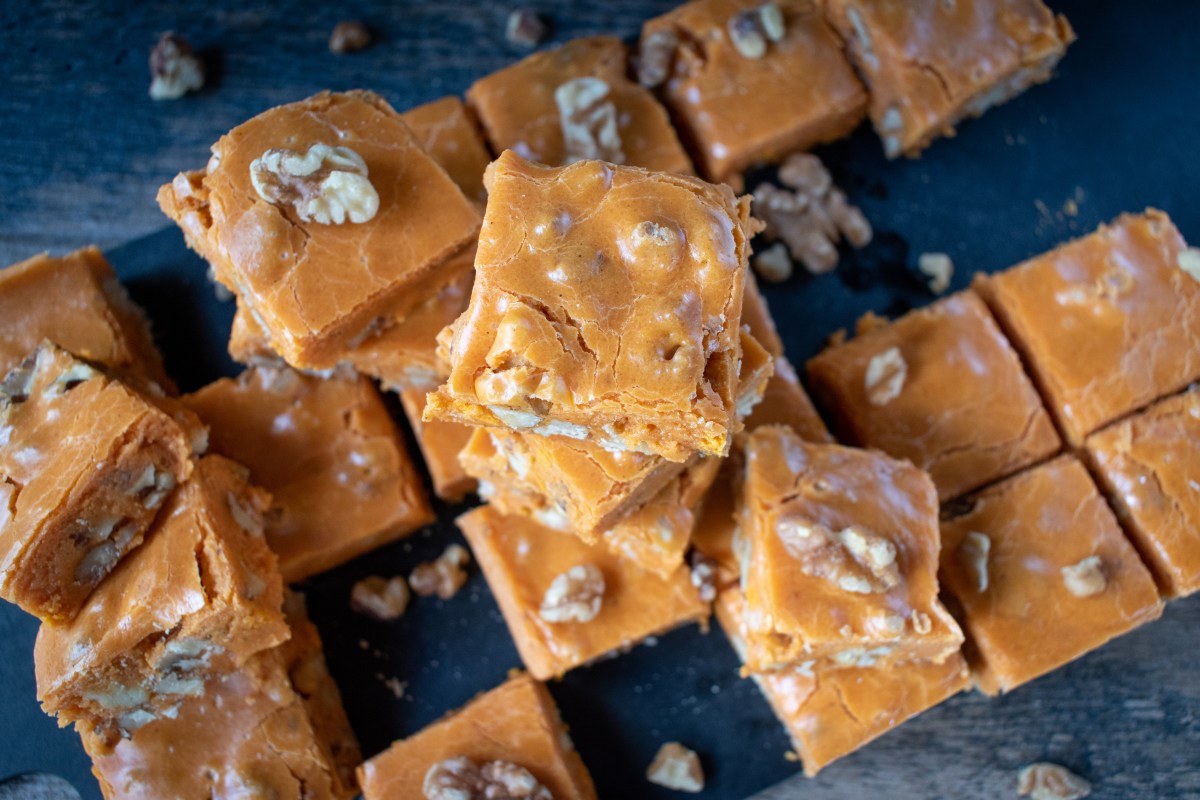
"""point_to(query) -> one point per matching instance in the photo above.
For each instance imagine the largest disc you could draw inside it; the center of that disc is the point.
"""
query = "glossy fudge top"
(449, 135)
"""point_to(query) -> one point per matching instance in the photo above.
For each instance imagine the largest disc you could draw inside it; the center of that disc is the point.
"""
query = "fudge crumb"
(886, 373)
(460, 778)
(774, 264)
(1189, 261)
(349, 36)
(1085, 578)
(676, 767)
(655, 56)
(1045, 781)
(938, 268)
(525, 28)
(574, 596)
(174, 68)
(380, 598)
(443, 576)
(973, 555)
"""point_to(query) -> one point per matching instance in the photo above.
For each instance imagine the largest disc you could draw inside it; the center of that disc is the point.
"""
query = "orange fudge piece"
(85, 465)
(553, 108)
(1107, 323)
(929, 64)
(733, 109)
(198, 598)
(829, 714)
(839, 552)
(516, 723)
(76, 302)
(591, 318)
(440, 444)
(330, 455)
(450, 136)
(1042, 574)
(559, 616)
(942, 387)
(316, 285)
(1150, 469)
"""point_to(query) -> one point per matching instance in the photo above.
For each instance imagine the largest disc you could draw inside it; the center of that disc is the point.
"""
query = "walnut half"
(328, 185)
(462, 779)
(589, 121)
(174, 69)
(443, 576)
(1046, 781)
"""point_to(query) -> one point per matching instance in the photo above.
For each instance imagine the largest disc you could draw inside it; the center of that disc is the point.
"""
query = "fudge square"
(321, 215)
(575, 102)
(440, 444)
(606, 306)
(76, 302)
(85, 465)
(450, 136)
(748, 81)
(839, 551)
(929, 64)
(1041, 574)
(942, 387)
(330, 455)
(197, 599)
(512, 732)
(1107, 324)
(567, 603)
(1149, 467)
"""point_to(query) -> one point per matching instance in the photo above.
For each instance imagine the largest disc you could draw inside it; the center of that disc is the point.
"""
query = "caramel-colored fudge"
(334, 248)
(567, 603)
(1107, 323)
(440, 444)
(929, 64)
(530, 108)
(449, 135)
(942, 388)
(606, 306)
(1042, 574)
(516, 723)
(197, 599)
(330, 455)
(85, 465)
(733, 109)
(1149, 467)
(76, 302)
(829, 714)
(839, 553)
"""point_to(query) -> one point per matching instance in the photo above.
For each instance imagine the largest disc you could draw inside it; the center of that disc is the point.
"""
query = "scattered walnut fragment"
(574, 596)
(380, 598)
(938, 268)
(349, 36)
(655, 56)
(973, 553)
(589, 121)
(704, 575)
(855, 559)
(1189, 261)
(525, 28)
(1085, 578)
(443, 576)
(327, 185)
(676, 767)
(1045, 781)
(773, 264)
(752, 29)
(886, 373)
(174, 68)
(462, 779)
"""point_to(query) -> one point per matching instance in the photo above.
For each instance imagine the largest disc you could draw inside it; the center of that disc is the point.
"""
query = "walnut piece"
(380, 598)
(704, 575)
(938, 268)
(1085, 578)
(886, 373)
(1045, 781)
(574, 596)
(774, 264)
(462, 779)
(443, 576)
(655, 55)
(589, 121)
(750, 30)
(174, 68)
(328, 185)
(676, 767)
(973, 554)
(525, 28)
(1189, 261)
(349, 36)
(854, 559)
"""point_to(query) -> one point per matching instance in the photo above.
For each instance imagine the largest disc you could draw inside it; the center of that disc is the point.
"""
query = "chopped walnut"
(443, 576)
(1045, 781)
(973, 554)
(1189, 261)
(18, 383)
(380, 598)
(854, 559)
(574, 596)
(655, 54)
(676, 767)
(328, 185)
(174, 68)
(462, 779)
(938, 268)
(750, 30)
(704, 575)
(774, 264)
(525, 28)
(589, 121)
(349, 36)
(886, 373)
(1085, 578)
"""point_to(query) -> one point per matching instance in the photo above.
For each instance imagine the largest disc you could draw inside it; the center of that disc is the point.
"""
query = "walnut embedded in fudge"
(574, 596)
(752, 29)
(460, 778)
(589, 121)
(326, 184)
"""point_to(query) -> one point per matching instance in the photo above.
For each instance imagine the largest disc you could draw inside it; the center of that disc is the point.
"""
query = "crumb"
(443, 576)
(938, 268)
(349, 36)
(676, 767)
(525, 28)
(174, 68)
(1045, 781)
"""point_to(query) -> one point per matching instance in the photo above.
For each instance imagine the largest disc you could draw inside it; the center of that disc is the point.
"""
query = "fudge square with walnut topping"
(607, 306)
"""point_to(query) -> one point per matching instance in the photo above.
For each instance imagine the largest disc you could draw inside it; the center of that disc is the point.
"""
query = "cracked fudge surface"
(733, 110)
(519, 110)
(1149, 467)
(517, 722)
(606, 306)
(522, 562)
(85, 465)
(198, 598)
(839, 554)
(1041, 574)
(1107, 323)
(440, 444)
(929, 63)
(956, 401)
(316, 287)
(447, 132)
(329, 453)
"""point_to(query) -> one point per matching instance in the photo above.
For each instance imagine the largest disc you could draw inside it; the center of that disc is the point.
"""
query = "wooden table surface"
(84, 150)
